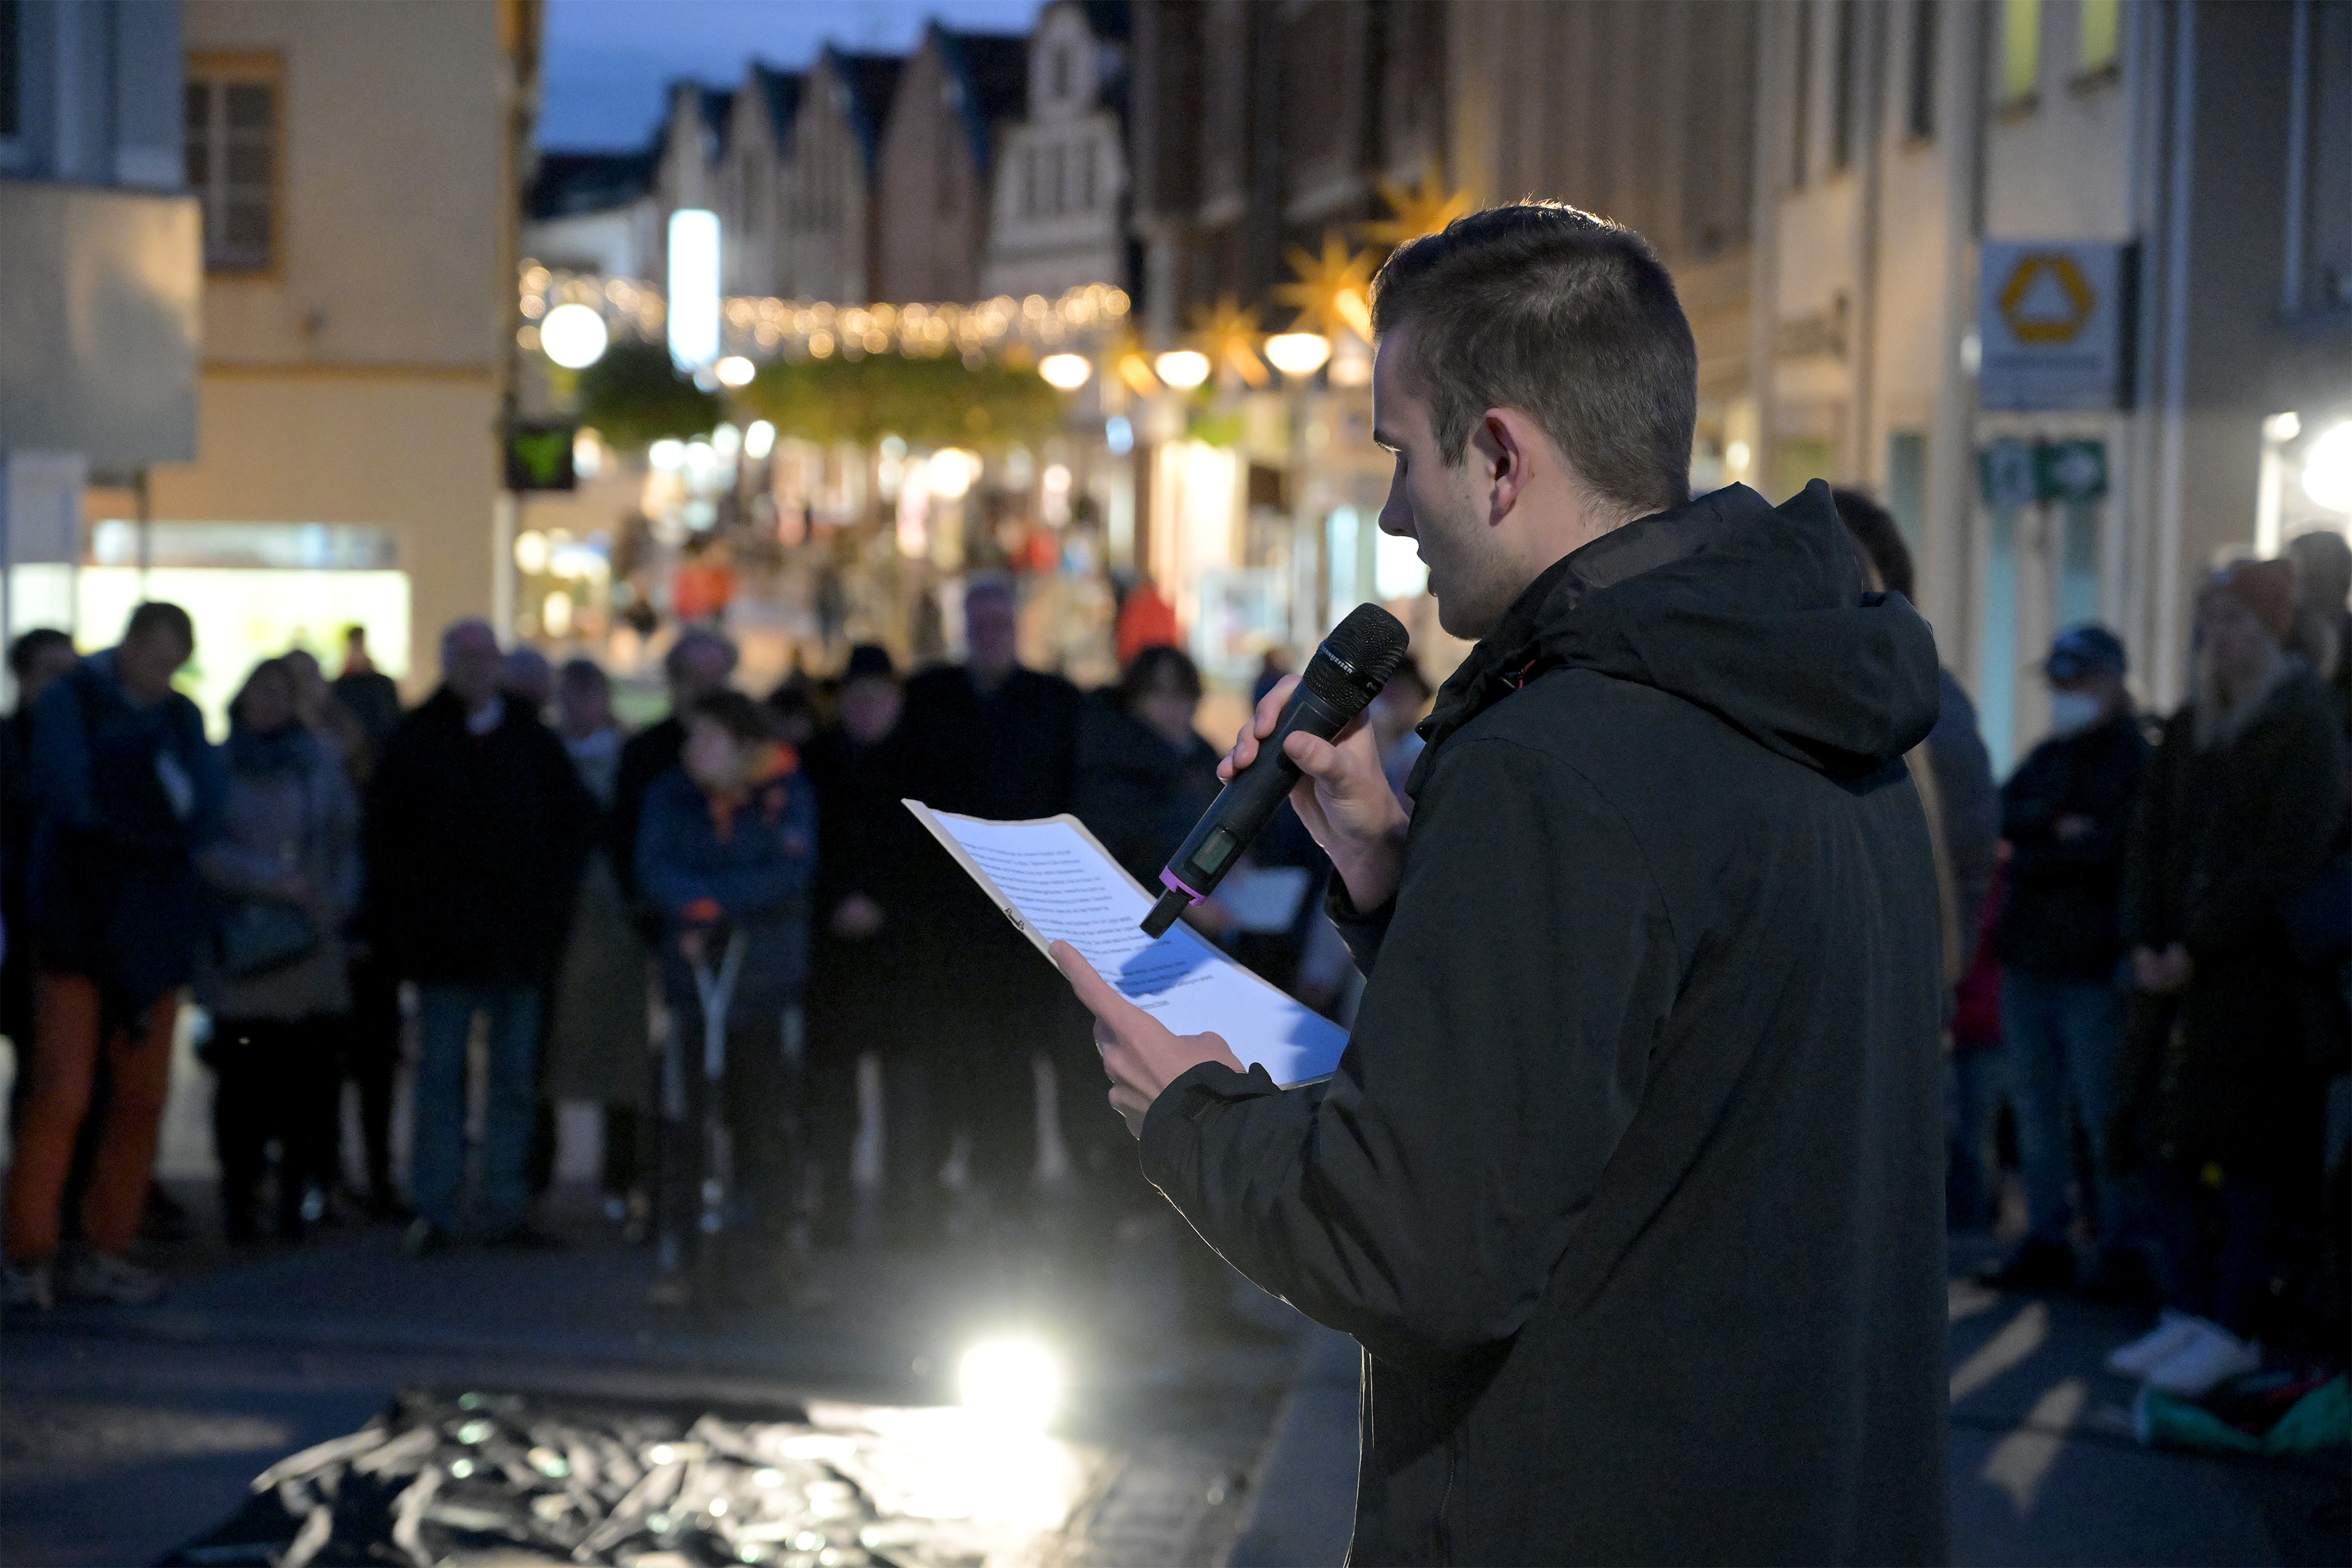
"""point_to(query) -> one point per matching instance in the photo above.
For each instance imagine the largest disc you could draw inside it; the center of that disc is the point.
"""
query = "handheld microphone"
(1346, 672)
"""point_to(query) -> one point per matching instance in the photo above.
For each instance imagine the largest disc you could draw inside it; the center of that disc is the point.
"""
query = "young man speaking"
(1630, 1182)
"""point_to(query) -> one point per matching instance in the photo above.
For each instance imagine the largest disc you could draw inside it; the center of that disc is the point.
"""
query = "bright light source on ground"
(1066, 372)
(1298, 355)
(574, 336)
(2327, 469)
(759, 439)
(735, 370)
(693, 287)
(1182, 368)
(1016, 1382)
(952, 471)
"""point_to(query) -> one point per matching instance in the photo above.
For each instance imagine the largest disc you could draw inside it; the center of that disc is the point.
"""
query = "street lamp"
(574, 336)
(735, 370)
(1182, 369)
(1065, 372)
(1297, 354)
(953, 470)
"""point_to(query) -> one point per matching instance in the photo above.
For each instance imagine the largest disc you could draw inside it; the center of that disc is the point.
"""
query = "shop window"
(2098, 39)
(232, 146)
(2020, 50)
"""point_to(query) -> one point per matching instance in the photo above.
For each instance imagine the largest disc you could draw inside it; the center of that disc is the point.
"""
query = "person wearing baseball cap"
(2219, 1082)
(2065, 814)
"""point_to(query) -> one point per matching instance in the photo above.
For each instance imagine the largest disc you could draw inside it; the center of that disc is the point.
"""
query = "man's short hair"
(158, 616)
(30, 647)
(584, 672)
(690, 643)
(1879, 537)
(1565, 316)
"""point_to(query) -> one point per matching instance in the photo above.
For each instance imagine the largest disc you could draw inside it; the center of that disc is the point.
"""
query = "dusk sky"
(606, 60)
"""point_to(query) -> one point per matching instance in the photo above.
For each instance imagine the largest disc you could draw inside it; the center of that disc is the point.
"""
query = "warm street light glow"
(1066, 372)
(1298, 355)
(531, 553)
(735, 370)
(667, 454)
(2327, 469)
(1182, 369)
(574, 336)
(953, 470)
(1016, 1382)
(759, 439)
(693, 287)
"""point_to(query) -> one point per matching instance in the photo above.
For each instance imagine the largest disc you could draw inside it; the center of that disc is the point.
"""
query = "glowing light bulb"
(1183, 369)
(574, 336)
(1066, 372)
(1297, 354)
(735, 370)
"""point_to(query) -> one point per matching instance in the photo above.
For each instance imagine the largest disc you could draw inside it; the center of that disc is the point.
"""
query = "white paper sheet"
(1058, 884)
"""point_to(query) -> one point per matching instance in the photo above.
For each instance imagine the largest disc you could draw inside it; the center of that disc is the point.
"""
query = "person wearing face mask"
(2065, 814)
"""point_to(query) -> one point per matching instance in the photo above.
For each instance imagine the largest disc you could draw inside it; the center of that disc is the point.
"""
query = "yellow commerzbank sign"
(2053, 325)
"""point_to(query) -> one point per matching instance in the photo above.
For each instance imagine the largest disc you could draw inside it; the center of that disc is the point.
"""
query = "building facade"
(938, 160)
(1059, 209)
(361, 179)
(101, 251)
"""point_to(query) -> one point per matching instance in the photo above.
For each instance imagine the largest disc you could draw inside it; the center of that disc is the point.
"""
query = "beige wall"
(358, 381)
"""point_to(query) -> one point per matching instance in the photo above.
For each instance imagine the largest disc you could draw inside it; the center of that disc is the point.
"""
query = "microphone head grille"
(1357, 659)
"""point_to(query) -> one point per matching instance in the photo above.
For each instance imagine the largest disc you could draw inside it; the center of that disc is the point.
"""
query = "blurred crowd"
(2147, 929)
(797, 1022)
(800, 1026)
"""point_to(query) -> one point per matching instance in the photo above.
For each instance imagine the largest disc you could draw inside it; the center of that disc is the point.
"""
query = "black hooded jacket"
(1631, 1180)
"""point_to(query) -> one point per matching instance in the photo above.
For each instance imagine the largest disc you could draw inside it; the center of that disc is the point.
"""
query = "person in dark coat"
(865, 939)
(1629, 1182)
(1144, 774)
(2219, 1090)
(126, 790)
(36, 659)
(726, 851)
(370, 695)
(2063, 814)
(994, 740)
(475, 829)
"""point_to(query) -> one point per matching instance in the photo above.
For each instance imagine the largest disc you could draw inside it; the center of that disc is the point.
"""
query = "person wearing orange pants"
(125, 789)
(70, 1031)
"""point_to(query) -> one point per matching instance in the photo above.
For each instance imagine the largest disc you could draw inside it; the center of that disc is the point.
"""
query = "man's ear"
(1503, 441)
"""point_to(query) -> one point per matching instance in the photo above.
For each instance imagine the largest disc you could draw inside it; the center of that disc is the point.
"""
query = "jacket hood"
(1756, 613)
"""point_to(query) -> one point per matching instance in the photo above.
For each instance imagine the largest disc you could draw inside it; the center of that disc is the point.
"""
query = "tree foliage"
(634, 396)
(928, 401)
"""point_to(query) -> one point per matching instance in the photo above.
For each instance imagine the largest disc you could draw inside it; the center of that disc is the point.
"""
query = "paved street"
(129, 1432)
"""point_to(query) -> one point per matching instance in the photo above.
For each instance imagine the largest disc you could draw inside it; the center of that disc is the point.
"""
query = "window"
(1800, 129)
(2021, 49)
(1057, 198)
(10, 113)
(2100, 20)
(1841, 115)
(1029, 183)
(1086, 179)
(1919, 109)
(1061, 74)
(231, 125)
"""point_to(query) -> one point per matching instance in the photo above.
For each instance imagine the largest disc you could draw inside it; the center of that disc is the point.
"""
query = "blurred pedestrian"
(1146, 619)
(286, 873)
(2219, 1092)
(997, 741)
(1952, 768)
(1144, 774)
(126, 790)
(791, 707)
(1974, 1078)
(698, 663)
(528, 679)
(475, 829)
(1395, 711)
(2065, 814)
(36, 659)
(867, 947)
(726, 852)
(599, 1039)
(373, 697)
(2323, 573)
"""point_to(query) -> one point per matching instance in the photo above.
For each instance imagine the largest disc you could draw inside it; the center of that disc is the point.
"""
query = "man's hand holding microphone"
(1343, 798)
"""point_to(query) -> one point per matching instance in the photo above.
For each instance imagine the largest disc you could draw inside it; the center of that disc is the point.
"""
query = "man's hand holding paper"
(1142, 1055)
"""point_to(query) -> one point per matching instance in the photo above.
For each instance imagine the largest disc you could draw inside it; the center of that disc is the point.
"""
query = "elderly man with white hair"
(476, 827)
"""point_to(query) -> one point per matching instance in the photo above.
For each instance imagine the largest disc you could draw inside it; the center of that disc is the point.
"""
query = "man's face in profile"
(1441, 508)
